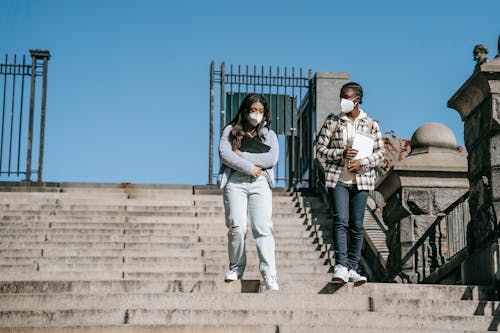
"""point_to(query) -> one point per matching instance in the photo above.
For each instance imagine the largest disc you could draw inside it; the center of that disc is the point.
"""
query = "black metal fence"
(283, 89)
(19, 114)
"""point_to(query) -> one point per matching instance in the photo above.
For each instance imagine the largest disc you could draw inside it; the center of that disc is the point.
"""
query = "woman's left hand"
(237, 152)
(354, 165)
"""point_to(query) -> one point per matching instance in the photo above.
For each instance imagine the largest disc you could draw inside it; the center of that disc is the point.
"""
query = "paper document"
(363, 144)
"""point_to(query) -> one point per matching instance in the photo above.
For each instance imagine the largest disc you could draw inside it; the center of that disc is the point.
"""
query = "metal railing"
(444, 239)
(17, 125)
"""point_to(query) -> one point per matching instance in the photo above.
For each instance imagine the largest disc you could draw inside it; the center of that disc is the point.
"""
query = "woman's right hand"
(256, 172)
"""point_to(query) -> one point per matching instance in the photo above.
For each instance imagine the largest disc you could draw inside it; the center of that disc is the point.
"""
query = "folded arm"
(229, 157)
(265, 160)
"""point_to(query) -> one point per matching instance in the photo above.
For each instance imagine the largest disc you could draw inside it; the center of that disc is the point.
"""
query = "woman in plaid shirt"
(348, 178)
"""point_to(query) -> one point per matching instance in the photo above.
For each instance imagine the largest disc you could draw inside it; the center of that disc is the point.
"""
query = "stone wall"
(478, 103)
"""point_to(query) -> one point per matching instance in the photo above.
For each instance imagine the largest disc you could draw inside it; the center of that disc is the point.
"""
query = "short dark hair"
(356, 87)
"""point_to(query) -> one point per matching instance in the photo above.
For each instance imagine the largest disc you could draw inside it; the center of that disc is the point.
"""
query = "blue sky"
(128, 87)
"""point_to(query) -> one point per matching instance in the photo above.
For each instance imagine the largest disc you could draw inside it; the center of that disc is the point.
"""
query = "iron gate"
(15, 139)
(283, 89)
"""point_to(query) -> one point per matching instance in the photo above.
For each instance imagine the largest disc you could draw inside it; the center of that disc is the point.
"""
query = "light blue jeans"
(245, 196)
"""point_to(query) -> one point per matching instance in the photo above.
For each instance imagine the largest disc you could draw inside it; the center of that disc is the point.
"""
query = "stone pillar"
(417, 189)
(478, 103)
(327, 94)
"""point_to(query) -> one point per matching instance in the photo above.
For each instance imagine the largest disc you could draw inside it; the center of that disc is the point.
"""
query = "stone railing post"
(478, 103)
(416, 190)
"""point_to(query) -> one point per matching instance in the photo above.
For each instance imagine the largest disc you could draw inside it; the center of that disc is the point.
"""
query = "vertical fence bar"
(231, 94)
(3, 113)
(222, 96)
(12, 114)
(211, 116)
(24, 69)
(312, 130)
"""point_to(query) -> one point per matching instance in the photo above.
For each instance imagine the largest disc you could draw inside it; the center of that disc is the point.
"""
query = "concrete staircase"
(123, 258)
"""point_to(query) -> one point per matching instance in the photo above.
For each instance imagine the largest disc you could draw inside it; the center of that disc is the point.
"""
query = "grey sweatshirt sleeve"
(265, 160)
(229, 158)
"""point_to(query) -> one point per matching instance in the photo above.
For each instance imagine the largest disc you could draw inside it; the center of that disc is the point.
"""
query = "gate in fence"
(22, 122)
(283, 89)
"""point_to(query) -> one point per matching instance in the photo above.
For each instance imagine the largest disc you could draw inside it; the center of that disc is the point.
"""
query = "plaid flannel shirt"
(331, 144)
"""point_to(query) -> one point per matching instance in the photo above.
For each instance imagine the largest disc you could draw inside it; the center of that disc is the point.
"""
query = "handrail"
(431, 230)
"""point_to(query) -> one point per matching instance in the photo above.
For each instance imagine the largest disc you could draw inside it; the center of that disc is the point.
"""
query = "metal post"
(312, 135)
(292, 133)
(31, 120)
(211, 140)
(3, 113)
(42, 119)
(222, 95)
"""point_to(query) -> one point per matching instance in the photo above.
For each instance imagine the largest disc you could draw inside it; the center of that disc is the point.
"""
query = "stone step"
(49, 266)
(412, 291)
(204, 285)
(96, 245)
(175, 301)
(210, 249)
(158, 260)
(291, 234)
(246, 301)
(77, 252)
(214, 328)
(279, 253)
(387, 295)
(141, 209)
(64, 199)
(55, 237)
(137, 194)
(292, 225)
(191, 219)
(387, 303)
(207, 328)
(24, 241)
(138, 316)
(117, 275)
(47, 260)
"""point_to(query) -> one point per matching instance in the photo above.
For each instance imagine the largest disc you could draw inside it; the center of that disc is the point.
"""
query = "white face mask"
(346, 105)
(255, 118)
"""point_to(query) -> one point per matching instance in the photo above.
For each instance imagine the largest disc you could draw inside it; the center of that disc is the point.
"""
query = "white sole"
(338, 280)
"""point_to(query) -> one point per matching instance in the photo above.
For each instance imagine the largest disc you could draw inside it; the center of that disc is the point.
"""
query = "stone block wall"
(478, 103)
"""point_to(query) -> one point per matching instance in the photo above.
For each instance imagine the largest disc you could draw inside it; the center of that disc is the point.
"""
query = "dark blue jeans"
(348, 205)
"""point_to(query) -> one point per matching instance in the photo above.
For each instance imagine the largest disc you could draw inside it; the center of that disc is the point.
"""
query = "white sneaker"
(272, 283)
(340, 274)
(231, 276)
(356, 278)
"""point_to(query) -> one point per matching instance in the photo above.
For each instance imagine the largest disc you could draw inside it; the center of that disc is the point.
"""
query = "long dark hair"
(240, 121)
